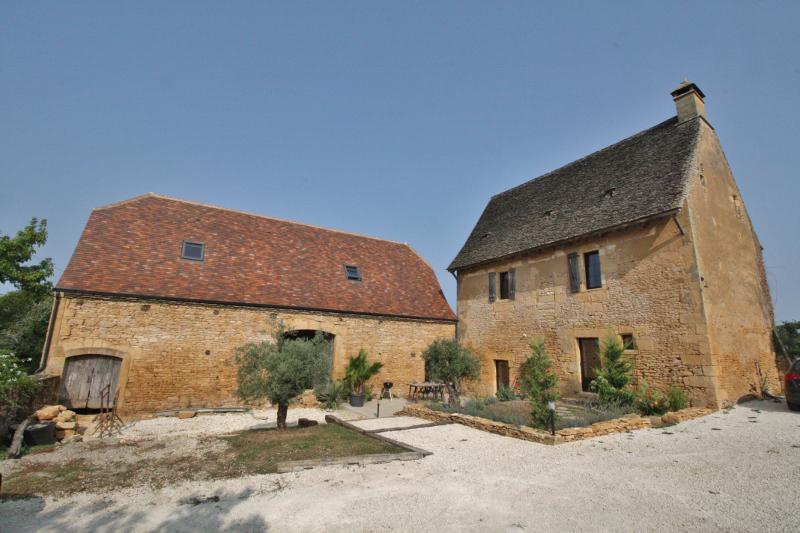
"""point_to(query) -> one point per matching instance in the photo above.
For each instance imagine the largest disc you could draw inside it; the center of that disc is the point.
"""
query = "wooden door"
(501, 371)
(85, 377)
(590, 360)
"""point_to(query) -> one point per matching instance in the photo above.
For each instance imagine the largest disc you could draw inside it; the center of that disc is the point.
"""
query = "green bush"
(505, 394)
(539, 384)
(488, 408)
(614, 375)
(330, 394)
(676, 398)
(17, 390)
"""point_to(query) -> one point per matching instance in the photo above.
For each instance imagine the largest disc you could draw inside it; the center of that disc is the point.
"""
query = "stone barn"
(647, 240)
(160, 292)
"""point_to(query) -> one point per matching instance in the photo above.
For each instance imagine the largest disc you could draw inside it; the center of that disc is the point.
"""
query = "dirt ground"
(736, 470)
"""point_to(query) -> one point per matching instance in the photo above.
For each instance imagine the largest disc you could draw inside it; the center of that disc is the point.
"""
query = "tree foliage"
(449, 362)
(539, 383)
(23, 325)
(17, 251)
(614, 375)
(359, 371)
(789, 335)
(281, 370)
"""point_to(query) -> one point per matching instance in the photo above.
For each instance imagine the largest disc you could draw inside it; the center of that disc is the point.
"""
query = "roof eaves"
(616, 227)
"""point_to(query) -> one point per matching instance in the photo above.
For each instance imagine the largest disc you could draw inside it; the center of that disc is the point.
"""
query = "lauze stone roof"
(640, 177)
(133, 248)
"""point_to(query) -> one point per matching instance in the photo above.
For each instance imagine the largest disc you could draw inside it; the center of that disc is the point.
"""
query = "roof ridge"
(587, 156)
(246, 213)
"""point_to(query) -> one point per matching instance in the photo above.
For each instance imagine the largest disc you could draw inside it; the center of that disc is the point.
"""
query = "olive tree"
(281, 370)
(449, 362)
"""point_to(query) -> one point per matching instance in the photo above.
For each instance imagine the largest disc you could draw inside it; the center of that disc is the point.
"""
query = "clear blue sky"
(393, 119)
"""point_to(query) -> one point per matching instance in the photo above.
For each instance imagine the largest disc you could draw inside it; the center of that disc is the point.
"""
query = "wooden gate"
(84, 378)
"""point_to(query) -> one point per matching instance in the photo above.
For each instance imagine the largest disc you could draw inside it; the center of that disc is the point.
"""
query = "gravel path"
(730, 471)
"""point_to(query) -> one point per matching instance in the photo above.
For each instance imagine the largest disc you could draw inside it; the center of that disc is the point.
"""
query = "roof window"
(194, 251)
(610, 192)
(352, 272)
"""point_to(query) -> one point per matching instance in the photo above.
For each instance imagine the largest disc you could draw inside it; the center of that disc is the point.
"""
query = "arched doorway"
(85, 377)
(309, 334)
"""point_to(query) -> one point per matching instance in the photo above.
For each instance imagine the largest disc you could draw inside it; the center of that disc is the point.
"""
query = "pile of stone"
(64, 419)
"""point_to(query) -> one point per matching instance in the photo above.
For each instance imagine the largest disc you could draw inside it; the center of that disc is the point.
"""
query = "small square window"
(592, 264)
(193, 250)
(504, 285)
(628, 342)
(352, 272)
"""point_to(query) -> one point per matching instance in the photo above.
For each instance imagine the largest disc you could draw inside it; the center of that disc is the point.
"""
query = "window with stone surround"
(628, 342)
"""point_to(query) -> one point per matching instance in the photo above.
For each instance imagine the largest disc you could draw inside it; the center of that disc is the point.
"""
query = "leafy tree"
(451, 363)
(16, 251)
(359, 371)
(614, 375)
(23, 325)
(539, 383)
(281, 370)
(789, 337)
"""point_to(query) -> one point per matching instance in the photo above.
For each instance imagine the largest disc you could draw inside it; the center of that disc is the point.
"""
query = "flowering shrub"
(16, 386)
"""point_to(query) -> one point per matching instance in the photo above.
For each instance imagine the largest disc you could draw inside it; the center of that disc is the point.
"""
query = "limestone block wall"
(650, 289)
(735, 290)
(181, 354)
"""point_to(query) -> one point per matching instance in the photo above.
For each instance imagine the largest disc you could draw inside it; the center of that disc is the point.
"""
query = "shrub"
(449, 362)
(489, 408)
(650, 401)
(676, 399)
(281, 370)
(330, 394)
(359, 371)
(614, 375)
(505, 393)
(16, 390)
(539, 384)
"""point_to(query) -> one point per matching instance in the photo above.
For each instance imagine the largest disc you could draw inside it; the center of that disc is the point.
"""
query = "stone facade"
(180, 355)
(690, 288)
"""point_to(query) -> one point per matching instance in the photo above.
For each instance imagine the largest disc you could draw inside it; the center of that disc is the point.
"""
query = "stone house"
(648, 240)
(160, 292)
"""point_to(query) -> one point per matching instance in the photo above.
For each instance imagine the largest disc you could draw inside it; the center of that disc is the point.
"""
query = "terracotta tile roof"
(640, 177)
(134, 248)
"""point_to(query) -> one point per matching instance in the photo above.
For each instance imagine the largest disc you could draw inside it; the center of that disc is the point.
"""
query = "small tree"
(280, 371)
(451, 363)
(16, 251)
(614, 375)
(539, 383)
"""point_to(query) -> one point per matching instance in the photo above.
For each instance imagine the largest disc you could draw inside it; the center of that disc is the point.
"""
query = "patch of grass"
(244, 453)
(43, 478)
(260, 451)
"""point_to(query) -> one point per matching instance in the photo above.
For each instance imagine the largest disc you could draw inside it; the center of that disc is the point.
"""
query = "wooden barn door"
(85, 377)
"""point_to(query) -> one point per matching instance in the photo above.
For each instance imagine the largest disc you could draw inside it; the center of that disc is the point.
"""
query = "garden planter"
(357, 400)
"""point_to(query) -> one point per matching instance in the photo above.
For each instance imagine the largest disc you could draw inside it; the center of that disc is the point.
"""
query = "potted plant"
(358, 372)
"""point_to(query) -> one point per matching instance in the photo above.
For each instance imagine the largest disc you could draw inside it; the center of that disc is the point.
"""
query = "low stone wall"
(606, 427)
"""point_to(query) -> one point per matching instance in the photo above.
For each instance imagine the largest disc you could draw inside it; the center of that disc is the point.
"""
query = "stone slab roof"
(133, 248)
(640, 177)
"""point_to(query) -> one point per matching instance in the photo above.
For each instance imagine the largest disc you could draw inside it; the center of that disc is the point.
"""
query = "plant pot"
(357, 400)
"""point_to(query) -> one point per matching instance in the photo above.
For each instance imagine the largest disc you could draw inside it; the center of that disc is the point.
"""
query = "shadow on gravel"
(193, 513)
(770, 406)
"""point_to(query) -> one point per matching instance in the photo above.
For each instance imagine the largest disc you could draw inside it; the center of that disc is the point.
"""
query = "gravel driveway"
(731, 471)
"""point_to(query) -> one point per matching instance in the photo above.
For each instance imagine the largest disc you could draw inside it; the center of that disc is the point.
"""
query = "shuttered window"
(592, 264)
(512, 283)
(492, 288)
(574, 273)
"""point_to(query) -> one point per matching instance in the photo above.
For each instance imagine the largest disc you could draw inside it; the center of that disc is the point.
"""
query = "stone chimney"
(689, 101)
